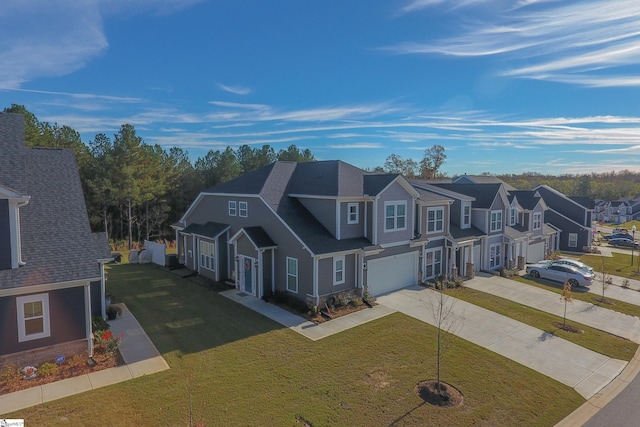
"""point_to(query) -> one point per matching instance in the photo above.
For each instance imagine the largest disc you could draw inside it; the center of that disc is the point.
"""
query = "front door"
(247, 275)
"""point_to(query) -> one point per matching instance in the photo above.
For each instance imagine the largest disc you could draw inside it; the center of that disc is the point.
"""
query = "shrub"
(355, 301)
(105, 341)
(47, 369)
(368, 298)
(99, 324)
(625, 283)
(10, 374)
(342, 300)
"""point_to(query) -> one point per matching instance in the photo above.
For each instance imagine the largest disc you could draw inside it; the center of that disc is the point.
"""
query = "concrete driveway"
(584, 370)
(610, 321)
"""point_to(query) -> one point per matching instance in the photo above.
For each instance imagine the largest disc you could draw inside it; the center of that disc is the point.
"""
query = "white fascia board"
(23, 290)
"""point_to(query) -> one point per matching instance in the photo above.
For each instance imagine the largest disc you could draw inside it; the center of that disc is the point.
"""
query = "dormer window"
(10, 242)
(513, 216)
(496, 221)
(352, 213)
(466, 215)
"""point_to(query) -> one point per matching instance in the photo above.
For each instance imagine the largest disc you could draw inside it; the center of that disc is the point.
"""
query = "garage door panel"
(393, 272)
(535, 252)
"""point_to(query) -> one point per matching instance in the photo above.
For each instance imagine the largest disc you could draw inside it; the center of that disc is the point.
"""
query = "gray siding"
(325, 275)
(349, 231)
(5, 236)
(215, 208)
(395, 193)
(67, 321)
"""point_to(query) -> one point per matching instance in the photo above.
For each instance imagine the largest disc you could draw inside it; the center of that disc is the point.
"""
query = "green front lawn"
(233, 367)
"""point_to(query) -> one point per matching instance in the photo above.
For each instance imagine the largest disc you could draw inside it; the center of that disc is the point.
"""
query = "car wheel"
(574, 283)
(534, 274)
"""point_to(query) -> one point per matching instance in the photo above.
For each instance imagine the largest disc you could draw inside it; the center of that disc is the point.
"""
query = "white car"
(573, 262)
(560, 273)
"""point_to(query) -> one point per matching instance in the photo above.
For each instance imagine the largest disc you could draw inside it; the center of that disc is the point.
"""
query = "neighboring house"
(617, 211)
(312, 230)
(51, 265)
(488, 214)
(482, 179)
(572, 216)
(531, 238)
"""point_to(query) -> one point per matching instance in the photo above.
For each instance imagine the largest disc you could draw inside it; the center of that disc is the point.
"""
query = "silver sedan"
(560, 273)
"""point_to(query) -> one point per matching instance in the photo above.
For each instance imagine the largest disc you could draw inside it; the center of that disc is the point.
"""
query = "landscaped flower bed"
(11, 377)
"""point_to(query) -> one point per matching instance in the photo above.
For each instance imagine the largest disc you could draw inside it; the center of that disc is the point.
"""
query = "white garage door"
(393, 272)
(535, 252)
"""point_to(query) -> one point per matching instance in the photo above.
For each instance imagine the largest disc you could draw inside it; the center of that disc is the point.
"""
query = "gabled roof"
(432, 186)
(57, 242)
(528, 199)
(481, 179)
(484, 194)
(463, 234)
(276, 182)
(210, 229)
(258, 236)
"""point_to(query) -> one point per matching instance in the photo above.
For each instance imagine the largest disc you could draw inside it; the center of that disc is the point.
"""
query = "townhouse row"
(314, 230)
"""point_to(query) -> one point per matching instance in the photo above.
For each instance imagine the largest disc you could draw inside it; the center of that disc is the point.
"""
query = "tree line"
(134, 190)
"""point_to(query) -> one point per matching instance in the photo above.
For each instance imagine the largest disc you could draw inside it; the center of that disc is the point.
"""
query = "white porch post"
(87, 310)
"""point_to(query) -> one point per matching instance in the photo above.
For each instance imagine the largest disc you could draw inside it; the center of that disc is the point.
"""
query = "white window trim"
(232, 208)
(573, 237)
(433, 264)
(537, 220)
(336, 260)
(292, 275)
(466, 219)
(211, 255)
(495, 251)
(395, 215)
(356, 213)
(46, 326)
(513, 216)
(498, 222)
(243, 209)
(435, 220)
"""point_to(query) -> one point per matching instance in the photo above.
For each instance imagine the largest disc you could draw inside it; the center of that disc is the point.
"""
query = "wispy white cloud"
(42, 38)
(359, 145)
(568, 43)
(236, 90)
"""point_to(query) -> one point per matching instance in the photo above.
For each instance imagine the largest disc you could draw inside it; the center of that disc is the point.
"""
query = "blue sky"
(506, 86)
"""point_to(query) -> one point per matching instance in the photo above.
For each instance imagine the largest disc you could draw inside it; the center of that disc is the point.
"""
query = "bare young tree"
(447, 323)
(604, 278)
(566, 297)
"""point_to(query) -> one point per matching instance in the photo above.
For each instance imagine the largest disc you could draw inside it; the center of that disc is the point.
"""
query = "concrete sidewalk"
(584, 370)
(137, 350)
(308, 329)
(613, 322)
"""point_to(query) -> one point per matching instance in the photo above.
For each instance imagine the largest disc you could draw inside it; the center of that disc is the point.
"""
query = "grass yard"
(233, 367)
(593, 339)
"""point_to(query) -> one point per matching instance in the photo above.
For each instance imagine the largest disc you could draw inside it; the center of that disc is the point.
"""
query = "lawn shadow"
(406, 414)
(180, 315)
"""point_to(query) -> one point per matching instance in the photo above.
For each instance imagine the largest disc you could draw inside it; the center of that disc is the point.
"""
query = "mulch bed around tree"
(446, 396)
(11, 377)
(568, 328)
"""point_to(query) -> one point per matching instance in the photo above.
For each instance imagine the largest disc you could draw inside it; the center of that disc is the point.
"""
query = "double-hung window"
(292, 274)
(232, 208)
(207, 255)
(395, 216)
(243, 209)
(573, 240)
(496, 220)
(338, 270)
(352, 213)
(537, 220)
(466, 215)
(33, 317)
(513, 216)
(435, 220)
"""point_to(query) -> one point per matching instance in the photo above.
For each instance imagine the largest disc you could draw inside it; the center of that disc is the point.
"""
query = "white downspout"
(87, 309)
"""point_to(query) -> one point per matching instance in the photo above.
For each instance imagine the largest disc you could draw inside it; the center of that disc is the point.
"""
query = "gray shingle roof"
(484, 194)
(57, 243)
(209, 229)
(526, 198)
(259, 237)
(275, 182)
